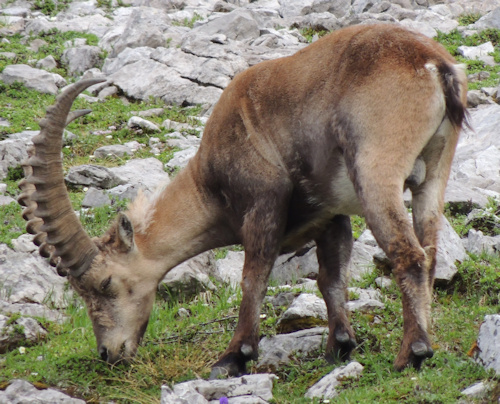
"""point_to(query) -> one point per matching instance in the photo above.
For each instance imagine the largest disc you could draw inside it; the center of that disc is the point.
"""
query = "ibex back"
(292, 148)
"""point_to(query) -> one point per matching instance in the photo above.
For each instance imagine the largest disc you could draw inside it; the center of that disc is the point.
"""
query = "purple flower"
(223, 400)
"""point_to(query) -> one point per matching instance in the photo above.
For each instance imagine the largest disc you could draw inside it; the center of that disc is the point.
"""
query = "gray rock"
(181, 158)
(138, 122)
(35, 79)
(488, 343)
(6, 200)
(20, 391)
(255, 388)
(125, 57)
(383, 282)
(477, 390)
(32, 310)
(93, 176)
(189, 278)
(47, 63)
(107, 92)
(146, 174)
(27, 278)
(13, 152)
(450, 250)
(175, 139)
(476, 242)
(144, 27)
(21, 330)
(490, 20)
(477, 97)
(480, 52)
(326, 387)
(290, 267)
(24, 243)
(94, 198)
(15, 11)
(238, 25)
(362, 259)
(36, 44)
(81, 58)
(230, 269)
(161, 82)
(277, 351)
(367, 300)
(419, 26)
(306, 311)
(94, 24)
(290, 8)
(436, 21)
(117, 150)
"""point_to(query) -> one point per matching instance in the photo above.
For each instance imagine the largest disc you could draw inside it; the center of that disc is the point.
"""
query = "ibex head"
(107, 272)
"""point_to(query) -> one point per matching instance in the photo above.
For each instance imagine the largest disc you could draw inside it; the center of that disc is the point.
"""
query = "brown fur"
(292, 147)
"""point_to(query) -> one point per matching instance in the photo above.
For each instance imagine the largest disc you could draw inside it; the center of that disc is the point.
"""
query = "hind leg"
(334, 251)
(380, 189)
(427, 203)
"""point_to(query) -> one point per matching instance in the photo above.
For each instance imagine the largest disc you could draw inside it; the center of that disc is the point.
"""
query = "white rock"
(230, 268)
(20, 391)
(480, 52)
(277, 350)
(326, 387)
(488, 343)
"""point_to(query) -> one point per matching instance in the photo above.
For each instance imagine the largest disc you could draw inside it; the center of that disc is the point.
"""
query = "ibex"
(292, 148)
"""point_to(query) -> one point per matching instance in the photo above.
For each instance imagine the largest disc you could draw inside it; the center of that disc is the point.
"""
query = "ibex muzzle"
(292, 148)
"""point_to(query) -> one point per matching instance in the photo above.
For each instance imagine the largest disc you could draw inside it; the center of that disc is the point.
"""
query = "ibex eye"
(105, 283)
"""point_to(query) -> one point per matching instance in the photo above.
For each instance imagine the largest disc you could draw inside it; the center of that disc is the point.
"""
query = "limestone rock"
(27, 278)
(230, 269)
(189, 278)
(146, 174)
(21, 330)
(20, 391)
(92, 175)
(82, 58)
(306, 311)
(94, 198)
(35, 79)
(326, 387)
(255, 388)
(276, 351)
(488, 343)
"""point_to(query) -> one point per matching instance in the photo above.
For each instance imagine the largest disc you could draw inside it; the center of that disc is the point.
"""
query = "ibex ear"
(125, 232)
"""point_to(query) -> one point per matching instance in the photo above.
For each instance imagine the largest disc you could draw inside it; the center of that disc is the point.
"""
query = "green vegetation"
(468, 19)
(53, 45)
(50, 7)
(309, 33)
(455, 39)
(188, 22)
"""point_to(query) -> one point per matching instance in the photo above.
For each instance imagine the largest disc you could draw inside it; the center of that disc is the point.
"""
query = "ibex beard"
(293, 147)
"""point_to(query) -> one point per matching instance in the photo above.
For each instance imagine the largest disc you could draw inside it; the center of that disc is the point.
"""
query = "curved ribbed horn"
(49, 213)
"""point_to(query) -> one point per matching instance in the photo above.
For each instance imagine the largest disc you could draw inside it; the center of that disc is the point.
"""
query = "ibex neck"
(184, 222)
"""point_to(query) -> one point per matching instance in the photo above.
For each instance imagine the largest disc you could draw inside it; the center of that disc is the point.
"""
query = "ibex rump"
(292, 148)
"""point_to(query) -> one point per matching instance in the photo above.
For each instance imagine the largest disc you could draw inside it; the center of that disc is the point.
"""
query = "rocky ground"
(186, 52)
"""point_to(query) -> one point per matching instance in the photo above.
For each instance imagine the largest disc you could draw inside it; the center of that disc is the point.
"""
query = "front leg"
(334, 252)
(262, 233)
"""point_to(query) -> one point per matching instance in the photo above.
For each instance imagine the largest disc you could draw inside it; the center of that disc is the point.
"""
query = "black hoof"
(414, 356)
(230, 366)
(420, 352)
(343, 346)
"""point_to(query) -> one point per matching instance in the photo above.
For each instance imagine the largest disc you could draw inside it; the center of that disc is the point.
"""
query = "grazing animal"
(292, 148)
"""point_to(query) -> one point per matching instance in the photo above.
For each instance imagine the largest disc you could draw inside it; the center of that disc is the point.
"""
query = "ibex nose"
(103, 352)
